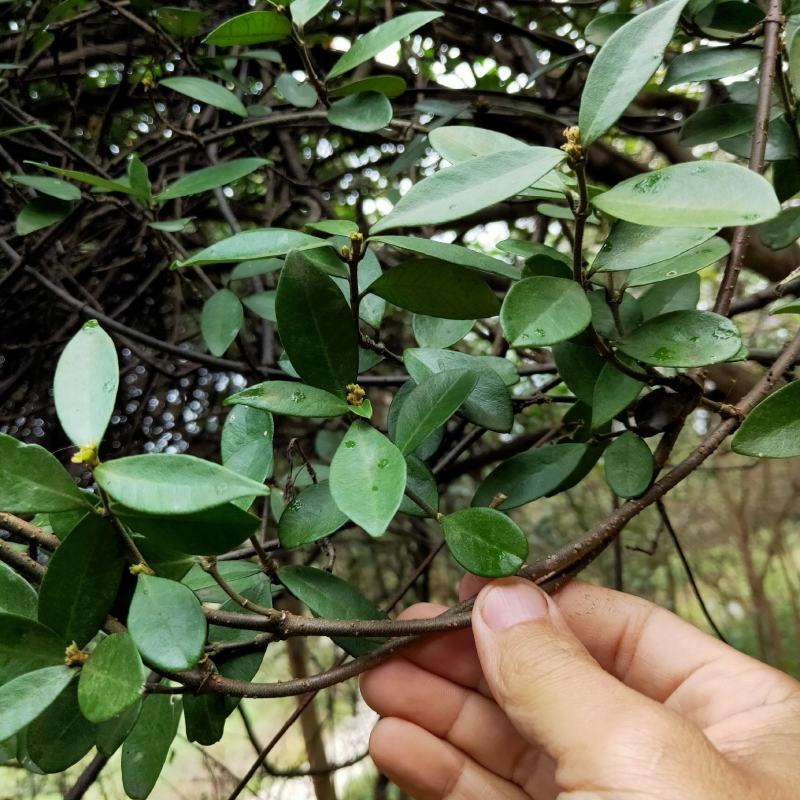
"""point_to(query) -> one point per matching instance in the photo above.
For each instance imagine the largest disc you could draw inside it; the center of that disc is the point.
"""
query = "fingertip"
(470, 585)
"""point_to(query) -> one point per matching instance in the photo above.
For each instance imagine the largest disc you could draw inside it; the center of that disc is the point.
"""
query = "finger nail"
(507, 604)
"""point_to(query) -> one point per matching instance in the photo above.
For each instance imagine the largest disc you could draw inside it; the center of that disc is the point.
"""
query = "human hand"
(591, 695)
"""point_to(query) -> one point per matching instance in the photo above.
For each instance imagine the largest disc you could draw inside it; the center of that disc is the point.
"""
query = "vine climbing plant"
(151, 588)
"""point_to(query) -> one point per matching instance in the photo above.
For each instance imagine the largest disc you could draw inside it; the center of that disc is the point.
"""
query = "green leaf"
(430, 405)
(167, 623)
(82, 580)
(330, 597)
(458, 143)
(579, 366)
(632, 247)
(422, 482)
(388, 85)
(365, 112)
(613, 392)
(623, 66)
(299, 94)
(52, 187)
(379, 38)
(220, 320)
(103, 184)
(783, 230)
(205, 91)
(253, 244)
(489, 403)
(438, 289)
(27, 696)
(203, 533)
(438, 333)
(335, 227)
(683, 339)
(629, 465)
(112, 734)
(259, 266)
(786, 305)
(603, 319)
(139, 180)
(253, 27)
(291, 398)
(684, 264)
(710, 64)
(467, 187)
(310, 516)
(204, 716)
(17, 596)
(772, 428)
(678, 294)
(485, 542)
(172, 483)
(717, 122)
(432, 443)
(698, 194)
(204, 180)
(316, 326)
(452, 253)
(41, 213)
(85, 385)
(529, 476)
(111, 680)
(367, 478)
(171, 225)
(246, 444)
(304, 11)
(60, 736)
(600, 29)
(181, 22)
(31, 480)
(262, 304)
(541, 311)
(26, 646)
(146, 749)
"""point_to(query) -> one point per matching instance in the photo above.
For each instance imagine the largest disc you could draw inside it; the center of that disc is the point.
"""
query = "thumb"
(556, 695)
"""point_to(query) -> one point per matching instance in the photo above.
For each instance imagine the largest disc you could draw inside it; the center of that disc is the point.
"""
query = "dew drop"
(672, 273)
(298, 396)
(663, 354)
(109, 387)
(374, 488)
(349, 443)
(383, 463)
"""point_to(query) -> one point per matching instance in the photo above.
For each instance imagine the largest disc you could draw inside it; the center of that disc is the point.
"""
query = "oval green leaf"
(220, 320)
(623, 66)
(629, 465)
(253, 27)
(467, 187)
(379, 38)
(364, 112)
(111, 680)
(172, 483)
(27, 645)
(772, 428)
(17, 596)
(367, 478)
(683, 339)
(541, 311)
(32, 481)
(310, 516)
(204, 180)
(331, 598)
(166, 623)
(429, 405)
(316, 326)
(290, 398)
(684, 264)
(207, 92)
(485, 542)
(85, 385)
(529, 476)
(250, 245)
(698, 194)
(27, 696)
(82, 580)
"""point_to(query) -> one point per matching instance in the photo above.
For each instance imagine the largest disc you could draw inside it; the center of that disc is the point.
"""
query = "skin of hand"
(591, 695)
